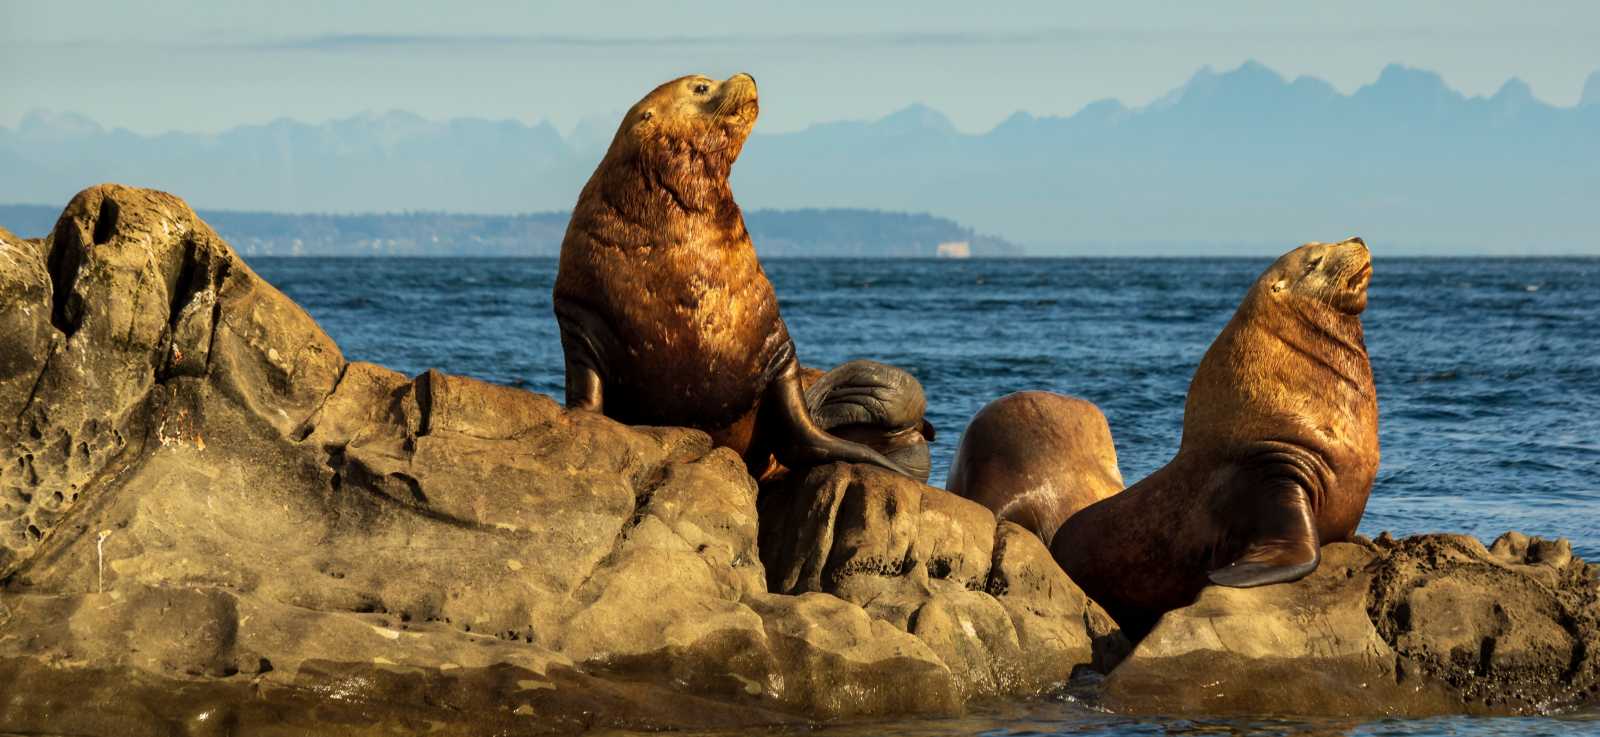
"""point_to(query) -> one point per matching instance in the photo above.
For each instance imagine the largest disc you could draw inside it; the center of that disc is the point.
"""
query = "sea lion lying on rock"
(877, 405)
(1036, 458)
(666, 315)
(1279, 451)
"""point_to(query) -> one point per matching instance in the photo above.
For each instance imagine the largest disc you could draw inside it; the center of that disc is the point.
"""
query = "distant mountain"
(1236, 161)
(777, 233)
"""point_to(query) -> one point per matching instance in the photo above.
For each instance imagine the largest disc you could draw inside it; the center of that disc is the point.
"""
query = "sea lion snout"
(736, 93)
(1354, 263)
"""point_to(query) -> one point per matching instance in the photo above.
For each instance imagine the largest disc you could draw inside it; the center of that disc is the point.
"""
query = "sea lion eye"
(701, 88)
(646, 115)
(1313, 264)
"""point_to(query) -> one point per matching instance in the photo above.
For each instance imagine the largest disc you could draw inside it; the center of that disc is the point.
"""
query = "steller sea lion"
(666, 316)
(1279, 451)
(1036, 458)
(877, 405)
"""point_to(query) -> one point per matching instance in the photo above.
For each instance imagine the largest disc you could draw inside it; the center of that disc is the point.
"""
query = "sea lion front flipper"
(584, 389)
(797, 439)
(1278, 532)
(582, 333)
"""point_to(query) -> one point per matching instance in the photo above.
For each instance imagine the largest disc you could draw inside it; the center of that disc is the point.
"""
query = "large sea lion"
(666, 315)
(1036, 458)
(1279, 451)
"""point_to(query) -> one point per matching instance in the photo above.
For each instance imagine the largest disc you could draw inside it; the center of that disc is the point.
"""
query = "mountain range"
(1240, 161)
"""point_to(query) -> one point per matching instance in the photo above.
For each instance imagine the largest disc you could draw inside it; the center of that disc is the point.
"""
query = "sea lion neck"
(634, 201)
(1271, 356)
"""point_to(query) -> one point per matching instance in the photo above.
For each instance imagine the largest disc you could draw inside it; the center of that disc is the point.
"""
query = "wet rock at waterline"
(1432, 624)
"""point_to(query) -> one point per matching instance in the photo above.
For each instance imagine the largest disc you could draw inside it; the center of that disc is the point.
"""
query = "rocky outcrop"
(1434, 624)
(985, 598)
(211, 521)
(209, 516)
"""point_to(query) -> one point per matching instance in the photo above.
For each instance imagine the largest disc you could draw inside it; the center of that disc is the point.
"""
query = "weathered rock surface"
(211, 521)
(981, 595)
(1433, 624)
(209, 516)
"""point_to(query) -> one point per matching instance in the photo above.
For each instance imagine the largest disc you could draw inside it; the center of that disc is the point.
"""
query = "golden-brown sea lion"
(666, 315)
(1279, 451)
(1036, 458)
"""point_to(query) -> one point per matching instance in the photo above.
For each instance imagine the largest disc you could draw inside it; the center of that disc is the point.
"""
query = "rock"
(1434, 624)
(209, 518)
(845, 663)
(986, 598)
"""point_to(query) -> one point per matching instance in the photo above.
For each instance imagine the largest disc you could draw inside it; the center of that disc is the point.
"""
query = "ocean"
(1488, 376)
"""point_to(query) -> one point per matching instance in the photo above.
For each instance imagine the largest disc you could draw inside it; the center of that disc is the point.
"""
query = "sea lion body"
(666, 315)
(698, 350)
(1278, 456)
(1036, 458)
(875, 404)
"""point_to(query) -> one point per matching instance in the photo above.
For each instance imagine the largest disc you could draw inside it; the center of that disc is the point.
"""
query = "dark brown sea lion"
(666, 315)
(1279, 451)
(1036, 458)
(878, 405)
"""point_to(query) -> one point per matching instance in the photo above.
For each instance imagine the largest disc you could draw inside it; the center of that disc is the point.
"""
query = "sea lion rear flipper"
(1279, 535)
(797, 439)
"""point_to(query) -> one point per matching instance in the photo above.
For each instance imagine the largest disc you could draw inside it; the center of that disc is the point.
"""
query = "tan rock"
(1433, 624)
(994, 608)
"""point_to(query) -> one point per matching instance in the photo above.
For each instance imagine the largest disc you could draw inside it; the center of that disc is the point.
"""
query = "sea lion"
(880, 406)
(666, 316)
(1036, 458)
(1278, 455)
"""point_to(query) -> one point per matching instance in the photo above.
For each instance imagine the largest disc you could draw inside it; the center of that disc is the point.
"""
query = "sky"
(206, 66)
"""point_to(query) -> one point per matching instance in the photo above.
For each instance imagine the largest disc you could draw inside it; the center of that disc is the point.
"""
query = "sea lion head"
(689, 129)
(1333, 274)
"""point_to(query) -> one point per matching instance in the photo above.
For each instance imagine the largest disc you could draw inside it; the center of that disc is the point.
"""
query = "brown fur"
(1036, 458)
(1284, 399)
(688, 328)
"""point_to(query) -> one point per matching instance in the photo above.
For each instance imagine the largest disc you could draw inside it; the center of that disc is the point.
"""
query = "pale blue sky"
(205, 66)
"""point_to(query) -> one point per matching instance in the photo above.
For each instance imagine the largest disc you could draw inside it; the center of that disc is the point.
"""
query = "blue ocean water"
(1488, 375)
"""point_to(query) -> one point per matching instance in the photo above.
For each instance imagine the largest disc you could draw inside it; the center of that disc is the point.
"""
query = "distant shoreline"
(836, 233)
(778, 234)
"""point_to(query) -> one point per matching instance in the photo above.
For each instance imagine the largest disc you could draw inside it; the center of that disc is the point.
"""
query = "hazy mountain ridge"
(1244, 157)
(776, 233)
